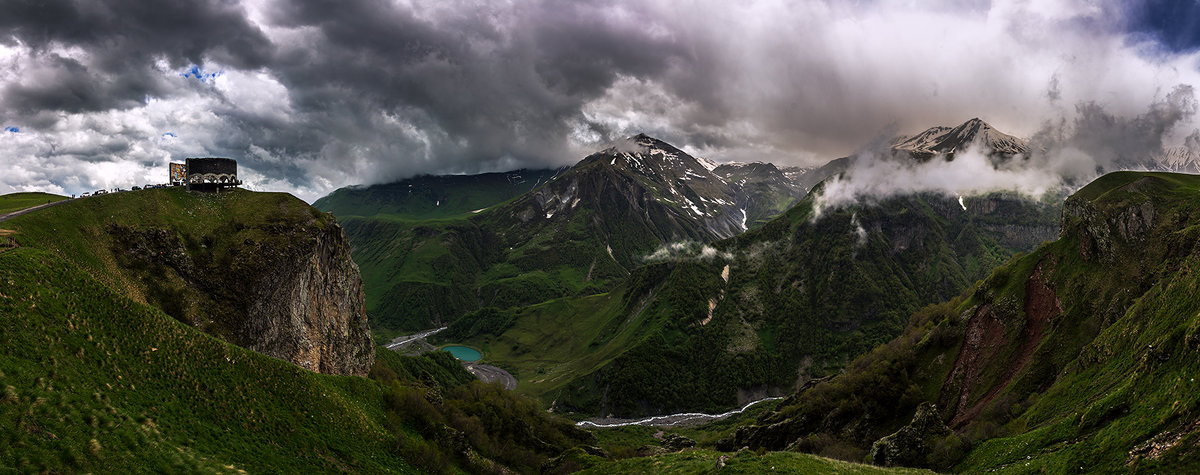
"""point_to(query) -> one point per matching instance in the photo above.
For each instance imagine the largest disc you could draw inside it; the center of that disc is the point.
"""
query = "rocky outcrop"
(285, 287)
(676, 442)
(1102, 232)
(911, 445)
(311, 311)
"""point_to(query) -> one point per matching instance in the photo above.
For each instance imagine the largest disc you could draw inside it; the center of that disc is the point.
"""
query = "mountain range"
(708, 327)
(523, 237)
(169, 330)
(632, 274)
(578, 233)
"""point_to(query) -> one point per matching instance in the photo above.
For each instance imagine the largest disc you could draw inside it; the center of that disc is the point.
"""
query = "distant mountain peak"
(644, 169)
(754, 164)
(639, 144)
(940, 140)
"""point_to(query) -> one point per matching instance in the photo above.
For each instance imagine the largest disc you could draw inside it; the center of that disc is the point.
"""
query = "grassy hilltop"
(96, 377)
(18, 201)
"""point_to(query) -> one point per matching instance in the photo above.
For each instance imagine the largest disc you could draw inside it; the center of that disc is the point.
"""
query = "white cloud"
(878, 175)
(686, 251)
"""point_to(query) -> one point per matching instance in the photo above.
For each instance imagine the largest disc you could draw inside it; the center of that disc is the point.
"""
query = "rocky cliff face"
(311, 311)
(282, 284)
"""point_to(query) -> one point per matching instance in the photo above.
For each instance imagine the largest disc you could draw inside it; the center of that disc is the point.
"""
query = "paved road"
(406, 339)
(488, 374)
(7, 216)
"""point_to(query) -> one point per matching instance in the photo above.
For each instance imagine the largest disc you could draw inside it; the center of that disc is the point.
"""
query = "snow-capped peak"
(947, 140)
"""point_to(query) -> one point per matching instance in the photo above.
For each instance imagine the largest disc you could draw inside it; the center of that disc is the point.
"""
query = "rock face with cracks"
(283, 285)
(312, 313)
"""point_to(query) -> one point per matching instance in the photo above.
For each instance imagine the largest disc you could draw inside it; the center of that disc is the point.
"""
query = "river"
(669, 420)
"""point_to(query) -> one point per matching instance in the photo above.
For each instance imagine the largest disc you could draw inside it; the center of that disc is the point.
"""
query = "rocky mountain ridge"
(581, 232)
(646, 177)
(941, 140)
(764, 190)
(434, 196)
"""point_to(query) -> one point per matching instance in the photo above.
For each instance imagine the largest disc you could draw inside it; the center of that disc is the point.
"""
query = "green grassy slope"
(548, 345)
(194, 255)
(705, 461)
(95, 378)
(1077, 357)
(428, 273)
(433, 197)
(18, 201)
(417, 249)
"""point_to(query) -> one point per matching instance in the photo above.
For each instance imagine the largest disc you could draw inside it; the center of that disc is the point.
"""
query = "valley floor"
(415, 344)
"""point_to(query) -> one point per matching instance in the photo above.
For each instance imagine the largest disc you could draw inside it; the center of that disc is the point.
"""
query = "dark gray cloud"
(312, 95)
(122, 41)
(485, 85)
(1113, 142)
(129, 31)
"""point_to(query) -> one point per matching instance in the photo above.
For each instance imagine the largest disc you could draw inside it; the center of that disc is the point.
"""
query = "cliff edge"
(264, 271)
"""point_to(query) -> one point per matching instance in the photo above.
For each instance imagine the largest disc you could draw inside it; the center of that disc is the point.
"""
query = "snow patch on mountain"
(706, 163)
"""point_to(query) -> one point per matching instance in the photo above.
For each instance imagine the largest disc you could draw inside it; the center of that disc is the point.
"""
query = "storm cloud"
(313, 95)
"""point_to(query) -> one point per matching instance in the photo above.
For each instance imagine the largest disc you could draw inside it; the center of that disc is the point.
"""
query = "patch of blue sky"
(195, 72)
(12, 129)
(1175, 24)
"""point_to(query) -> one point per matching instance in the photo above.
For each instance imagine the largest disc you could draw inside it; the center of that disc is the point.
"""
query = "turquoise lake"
(463, 353)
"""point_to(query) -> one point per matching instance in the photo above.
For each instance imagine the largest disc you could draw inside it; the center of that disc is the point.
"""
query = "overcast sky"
(309, 96)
